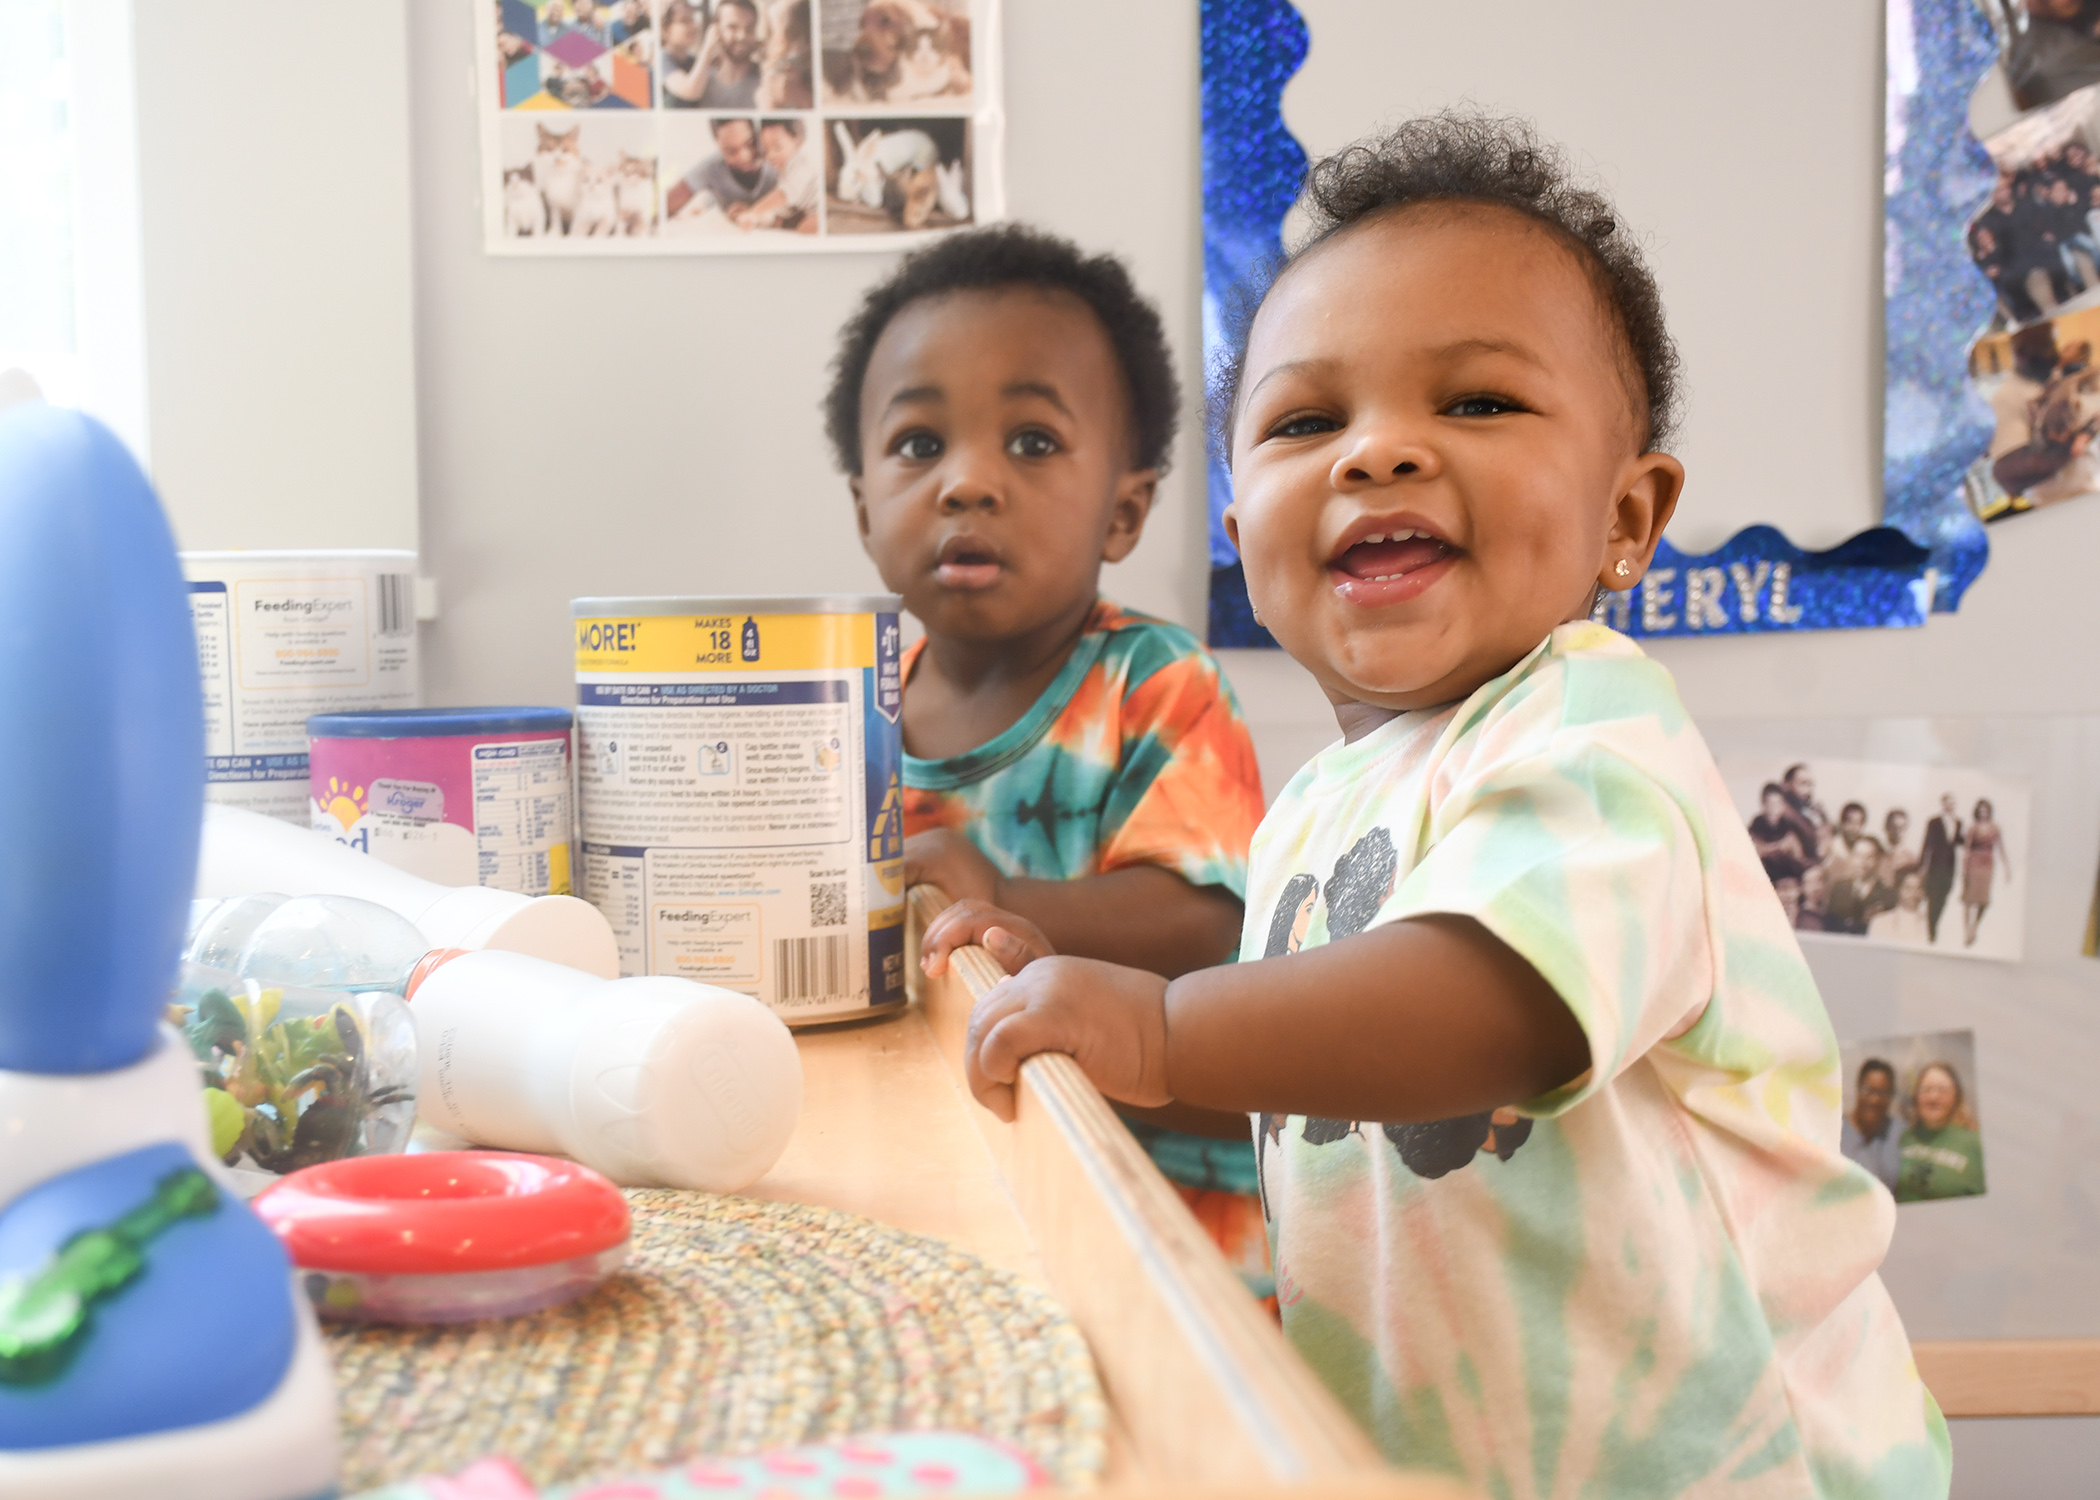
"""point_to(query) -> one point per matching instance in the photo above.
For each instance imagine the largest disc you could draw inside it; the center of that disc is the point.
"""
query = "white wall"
(279, 311)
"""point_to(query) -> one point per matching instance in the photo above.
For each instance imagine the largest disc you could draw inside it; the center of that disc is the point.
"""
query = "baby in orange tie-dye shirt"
(1004, 406)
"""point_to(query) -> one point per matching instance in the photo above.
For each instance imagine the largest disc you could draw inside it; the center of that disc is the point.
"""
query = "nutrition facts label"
(521, 816)
(272, 651)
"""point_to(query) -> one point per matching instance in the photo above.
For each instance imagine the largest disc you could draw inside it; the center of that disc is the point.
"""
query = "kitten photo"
(558, 168)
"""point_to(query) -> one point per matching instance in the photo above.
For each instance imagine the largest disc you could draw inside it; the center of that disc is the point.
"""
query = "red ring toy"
(447, 1236)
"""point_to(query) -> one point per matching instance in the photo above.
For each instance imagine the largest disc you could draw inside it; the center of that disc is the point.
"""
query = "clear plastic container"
(219, 930)
(363, 1297)
(295, 1075)
(329, 943)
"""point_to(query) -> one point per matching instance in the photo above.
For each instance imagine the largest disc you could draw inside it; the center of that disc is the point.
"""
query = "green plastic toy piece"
(45, 1318)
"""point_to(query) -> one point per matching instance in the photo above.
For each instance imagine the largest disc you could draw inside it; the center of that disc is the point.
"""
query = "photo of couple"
(1911, 1116)
(1914, 857)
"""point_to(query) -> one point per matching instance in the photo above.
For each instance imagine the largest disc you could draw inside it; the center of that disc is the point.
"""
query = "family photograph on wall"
(2037, 242)
(1911, 1115)
(1925, 858)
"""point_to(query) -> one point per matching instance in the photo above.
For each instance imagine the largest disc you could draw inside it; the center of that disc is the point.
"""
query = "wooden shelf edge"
(1212, 1392)
(2012, 1377)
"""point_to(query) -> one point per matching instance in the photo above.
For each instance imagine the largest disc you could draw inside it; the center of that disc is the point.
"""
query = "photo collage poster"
(2037, 242)
(1932, 859)
(735, 126)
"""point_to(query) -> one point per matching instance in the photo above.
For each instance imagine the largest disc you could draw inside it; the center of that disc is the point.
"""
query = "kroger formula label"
(460, 796)
(740, 815)
(285, 635)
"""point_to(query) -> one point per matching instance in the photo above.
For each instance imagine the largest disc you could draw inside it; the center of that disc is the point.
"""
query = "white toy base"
(156, 1100)
(284, 1449)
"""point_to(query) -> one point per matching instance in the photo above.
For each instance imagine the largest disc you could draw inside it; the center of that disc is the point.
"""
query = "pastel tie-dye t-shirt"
(1135, 754)
(1662, 1278)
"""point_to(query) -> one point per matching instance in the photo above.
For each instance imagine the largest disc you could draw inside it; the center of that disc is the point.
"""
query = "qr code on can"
(827, 903)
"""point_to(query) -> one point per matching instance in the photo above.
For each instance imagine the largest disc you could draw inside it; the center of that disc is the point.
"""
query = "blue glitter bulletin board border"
(1929, 547)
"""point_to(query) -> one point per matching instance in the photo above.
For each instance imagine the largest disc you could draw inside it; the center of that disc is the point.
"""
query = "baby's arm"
(1145, 916)
(1420, 1019)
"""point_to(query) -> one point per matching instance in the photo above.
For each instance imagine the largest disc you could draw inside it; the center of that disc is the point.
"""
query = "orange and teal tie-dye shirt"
(1134, 755)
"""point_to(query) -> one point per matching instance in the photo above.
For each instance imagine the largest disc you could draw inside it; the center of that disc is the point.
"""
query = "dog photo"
(1911, 1114)
(742, 175)
(571, 178)
(1931, 859)
(886, 176)
(897, 52)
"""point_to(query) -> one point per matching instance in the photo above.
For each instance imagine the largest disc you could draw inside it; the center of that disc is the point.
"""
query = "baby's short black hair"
(1462, 157)
(1013, 255)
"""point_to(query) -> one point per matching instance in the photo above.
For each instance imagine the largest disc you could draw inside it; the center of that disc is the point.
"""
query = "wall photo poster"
(1911, 1114)
(1929, 859)
(2037, 242)
(678, 127)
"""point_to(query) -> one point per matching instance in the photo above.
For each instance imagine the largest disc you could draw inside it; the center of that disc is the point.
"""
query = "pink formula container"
(460, 796)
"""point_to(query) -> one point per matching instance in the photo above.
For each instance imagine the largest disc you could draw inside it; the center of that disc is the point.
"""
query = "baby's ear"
(1127, 513)
(1648, 492)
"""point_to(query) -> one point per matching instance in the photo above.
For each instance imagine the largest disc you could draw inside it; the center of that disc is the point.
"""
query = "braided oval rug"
(735, 1326)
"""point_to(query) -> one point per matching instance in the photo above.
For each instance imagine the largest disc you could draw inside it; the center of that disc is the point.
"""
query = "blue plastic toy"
(151, 1339)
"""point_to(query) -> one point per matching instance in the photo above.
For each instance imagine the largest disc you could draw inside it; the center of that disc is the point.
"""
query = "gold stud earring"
(1623, 569)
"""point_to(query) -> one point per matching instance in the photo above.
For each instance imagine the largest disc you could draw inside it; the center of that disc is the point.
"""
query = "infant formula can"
(285, 635)
(740, 817)
(459, 796)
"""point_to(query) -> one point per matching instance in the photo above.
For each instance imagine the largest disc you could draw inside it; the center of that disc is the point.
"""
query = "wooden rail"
(1210, 1392)
(2012, 1377)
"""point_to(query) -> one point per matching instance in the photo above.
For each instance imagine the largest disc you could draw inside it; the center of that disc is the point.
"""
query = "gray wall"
(274, 233)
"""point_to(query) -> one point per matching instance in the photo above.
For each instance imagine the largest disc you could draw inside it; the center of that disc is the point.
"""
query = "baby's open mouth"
(967, 562)
(1390, 567)
(1383, 557)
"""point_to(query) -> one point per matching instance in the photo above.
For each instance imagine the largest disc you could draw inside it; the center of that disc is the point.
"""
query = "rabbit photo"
(901, 172)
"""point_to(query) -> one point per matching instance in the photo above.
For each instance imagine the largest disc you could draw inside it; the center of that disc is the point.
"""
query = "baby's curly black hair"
(1013, 255)
(1461, 157)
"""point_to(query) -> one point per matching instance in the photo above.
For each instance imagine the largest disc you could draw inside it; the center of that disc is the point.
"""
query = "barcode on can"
(811, 968)
(397, 604)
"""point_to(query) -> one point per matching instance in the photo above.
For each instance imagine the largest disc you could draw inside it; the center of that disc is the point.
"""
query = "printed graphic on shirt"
(1361, 883)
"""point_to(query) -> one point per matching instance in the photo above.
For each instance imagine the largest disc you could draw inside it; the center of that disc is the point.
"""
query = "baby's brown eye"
(919, 447)
(1306, 426)
(1031, 442)
(1480, 406)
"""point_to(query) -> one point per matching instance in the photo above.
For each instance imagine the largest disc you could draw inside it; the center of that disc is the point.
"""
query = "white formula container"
(284, 635)
(739, 804)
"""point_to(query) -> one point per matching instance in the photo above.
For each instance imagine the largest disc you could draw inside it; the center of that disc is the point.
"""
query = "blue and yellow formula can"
(739, 806)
